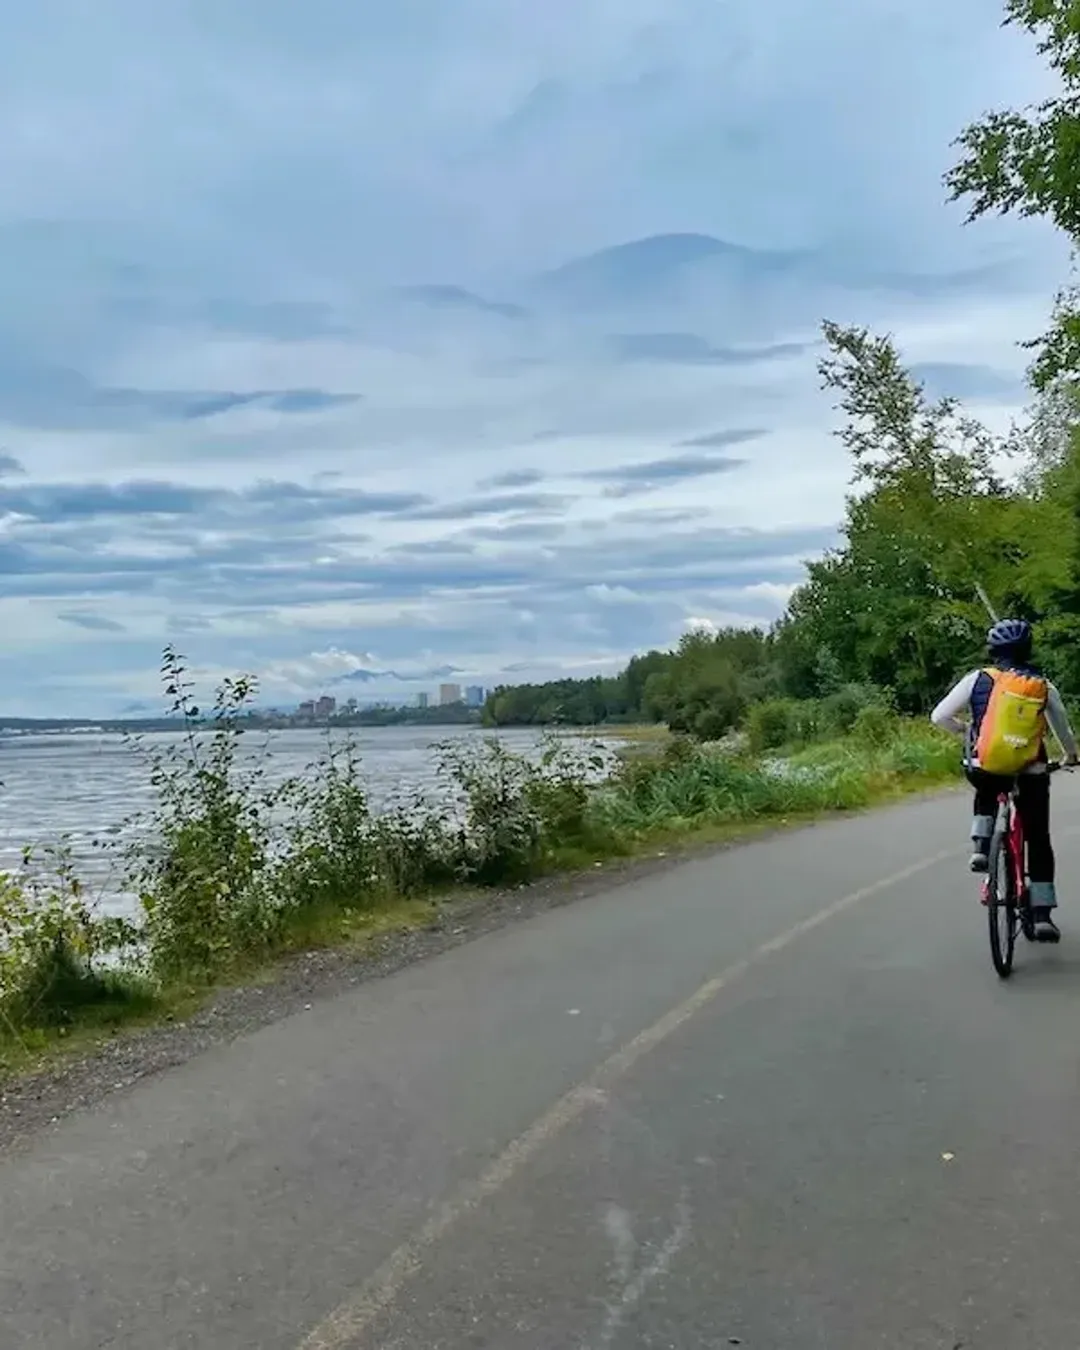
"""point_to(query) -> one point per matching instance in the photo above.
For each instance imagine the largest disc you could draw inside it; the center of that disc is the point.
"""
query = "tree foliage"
(1027, 162)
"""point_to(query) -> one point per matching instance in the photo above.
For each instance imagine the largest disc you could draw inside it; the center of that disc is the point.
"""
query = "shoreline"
(78, 1074)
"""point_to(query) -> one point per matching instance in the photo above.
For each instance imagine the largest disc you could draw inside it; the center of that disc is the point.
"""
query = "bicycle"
(1005, 891)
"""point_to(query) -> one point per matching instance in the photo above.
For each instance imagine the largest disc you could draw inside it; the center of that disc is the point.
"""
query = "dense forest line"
(939, 509)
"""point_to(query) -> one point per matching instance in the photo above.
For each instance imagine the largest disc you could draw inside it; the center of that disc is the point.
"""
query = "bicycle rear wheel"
(1001, 903)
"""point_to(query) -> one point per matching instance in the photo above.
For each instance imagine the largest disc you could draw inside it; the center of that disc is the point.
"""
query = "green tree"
(1028, 162)
(1053, 482)
(637, 675)
(795, 658)
(927, 521)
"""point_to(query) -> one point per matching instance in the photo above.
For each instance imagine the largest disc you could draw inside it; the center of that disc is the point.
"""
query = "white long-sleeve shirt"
(957, 701)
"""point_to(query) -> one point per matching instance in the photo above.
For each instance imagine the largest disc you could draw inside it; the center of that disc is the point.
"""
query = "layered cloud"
(364, 343)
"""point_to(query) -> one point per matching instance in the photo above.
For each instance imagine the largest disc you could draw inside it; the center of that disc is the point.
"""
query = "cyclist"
(968, 710)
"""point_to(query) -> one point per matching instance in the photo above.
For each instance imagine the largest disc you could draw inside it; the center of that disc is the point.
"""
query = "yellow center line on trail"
(341, 1329)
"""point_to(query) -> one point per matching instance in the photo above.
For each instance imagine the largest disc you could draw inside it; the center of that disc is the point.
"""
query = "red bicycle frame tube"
(1016, 847)
(1016, 841)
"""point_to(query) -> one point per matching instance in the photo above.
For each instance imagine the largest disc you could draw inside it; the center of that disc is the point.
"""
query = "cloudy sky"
(370, 340)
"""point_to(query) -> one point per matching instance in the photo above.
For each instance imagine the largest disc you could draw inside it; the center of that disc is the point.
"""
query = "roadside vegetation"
(230, 873)
(824, 711)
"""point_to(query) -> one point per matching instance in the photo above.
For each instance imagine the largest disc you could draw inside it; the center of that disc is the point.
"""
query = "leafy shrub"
(875, 726)
(711, 697)
(417, 850)
(520, 813)
(502, 829)
(778, 723)
(772, 724)
(711, 724)
(839, 710)
(332, 856)
(200, 887)
(50, 945)
(921, 751)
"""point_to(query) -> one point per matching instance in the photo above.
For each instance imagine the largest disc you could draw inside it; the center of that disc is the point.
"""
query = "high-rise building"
(474, 696)
(326, 706)
(423, 699)
(306, 709)
(449, 693)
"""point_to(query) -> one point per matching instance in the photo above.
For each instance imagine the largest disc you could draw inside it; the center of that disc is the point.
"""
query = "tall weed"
(199, 883)
(520, 814)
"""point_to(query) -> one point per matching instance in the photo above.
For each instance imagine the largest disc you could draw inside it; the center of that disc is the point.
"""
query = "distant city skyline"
(449, 694)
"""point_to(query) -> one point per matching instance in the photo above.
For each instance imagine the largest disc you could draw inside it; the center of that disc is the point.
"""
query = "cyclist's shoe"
(979, 861)
(1046, 930)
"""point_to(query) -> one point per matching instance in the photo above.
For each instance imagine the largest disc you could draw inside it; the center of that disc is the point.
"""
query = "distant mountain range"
(147, 708)
(370, 676)
(457, 297)
(683, 298)
(649, 267)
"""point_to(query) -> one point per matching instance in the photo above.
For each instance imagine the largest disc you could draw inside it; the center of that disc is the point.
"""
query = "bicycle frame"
(1017, 849)
(1017, 841)
(1014, 905)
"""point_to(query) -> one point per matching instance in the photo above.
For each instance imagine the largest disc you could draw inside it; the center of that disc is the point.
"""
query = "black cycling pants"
(1034, 803)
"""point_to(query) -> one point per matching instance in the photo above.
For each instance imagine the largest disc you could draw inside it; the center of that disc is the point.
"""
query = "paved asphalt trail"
(855, 1137)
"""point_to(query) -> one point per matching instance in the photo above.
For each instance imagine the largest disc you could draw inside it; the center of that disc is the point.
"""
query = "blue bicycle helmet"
(1010, 637)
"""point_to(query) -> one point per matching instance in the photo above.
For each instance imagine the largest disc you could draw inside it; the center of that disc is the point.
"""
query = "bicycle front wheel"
(1001, 904)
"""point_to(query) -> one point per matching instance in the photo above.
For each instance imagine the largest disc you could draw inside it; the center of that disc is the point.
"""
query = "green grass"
(67, 1007)
(685, 788)
(77, 1018)
(647, 732)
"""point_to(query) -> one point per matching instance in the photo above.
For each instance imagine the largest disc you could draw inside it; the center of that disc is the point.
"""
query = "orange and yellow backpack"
(1013, 726)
